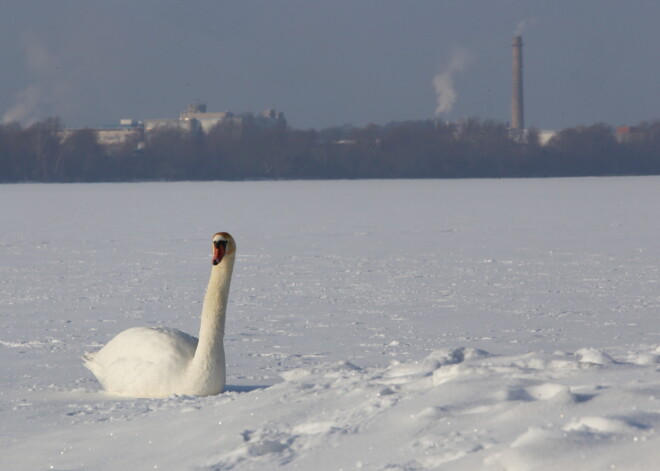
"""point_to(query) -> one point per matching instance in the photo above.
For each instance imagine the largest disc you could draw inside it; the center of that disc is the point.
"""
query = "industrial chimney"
(517, 122)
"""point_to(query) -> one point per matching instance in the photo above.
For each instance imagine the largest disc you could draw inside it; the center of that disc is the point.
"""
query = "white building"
(545, 136)
(189, 125)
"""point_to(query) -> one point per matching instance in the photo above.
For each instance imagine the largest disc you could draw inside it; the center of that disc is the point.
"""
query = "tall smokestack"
(517, 122)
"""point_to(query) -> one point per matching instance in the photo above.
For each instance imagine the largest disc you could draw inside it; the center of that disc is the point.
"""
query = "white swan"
(159, 362)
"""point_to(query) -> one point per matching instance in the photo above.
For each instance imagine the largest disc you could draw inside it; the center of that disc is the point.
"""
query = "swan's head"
(223, 245)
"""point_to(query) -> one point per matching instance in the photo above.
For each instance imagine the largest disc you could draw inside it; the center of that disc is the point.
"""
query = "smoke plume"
(523, 25)
(46, 86)
(444, 81)
(26, 109)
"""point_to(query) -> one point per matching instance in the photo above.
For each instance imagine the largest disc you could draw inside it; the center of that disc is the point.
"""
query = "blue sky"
(326, 63)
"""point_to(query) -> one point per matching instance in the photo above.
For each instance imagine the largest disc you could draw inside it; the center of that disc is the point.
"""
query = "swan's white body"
(159, 362)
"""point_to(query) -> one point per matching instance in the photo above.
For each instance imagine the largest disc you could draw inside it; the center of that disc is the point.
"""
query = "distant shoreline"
(471, 148)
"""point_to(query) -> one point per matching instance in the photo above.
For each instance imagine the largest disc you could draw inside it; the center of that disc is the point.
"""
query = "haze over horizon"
(329, 63)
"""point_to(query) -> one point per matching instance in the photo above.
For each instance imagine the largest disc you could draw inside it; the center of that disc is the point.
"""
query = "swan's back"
(144, 361)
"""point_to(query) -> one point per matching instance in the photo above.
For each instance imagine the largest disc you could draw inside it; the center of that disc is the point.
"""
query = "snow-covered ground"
(374, 325)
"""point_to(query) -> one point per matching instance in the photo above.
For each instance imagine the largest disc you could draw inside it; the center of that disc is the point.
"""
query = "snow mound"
(593, 356)
(463, 407)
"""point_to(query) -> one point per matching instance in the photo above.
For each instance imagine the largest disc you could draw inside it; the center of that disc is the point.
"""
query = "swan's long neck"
(210, 349)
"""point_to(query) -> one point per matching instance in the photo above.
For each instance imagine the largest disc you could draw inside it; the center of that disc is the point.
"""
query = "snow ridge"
(463, 408)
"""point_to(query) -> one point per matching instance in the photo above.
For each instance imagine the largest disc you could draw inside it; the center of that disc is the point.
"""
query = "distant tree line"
(417, 149)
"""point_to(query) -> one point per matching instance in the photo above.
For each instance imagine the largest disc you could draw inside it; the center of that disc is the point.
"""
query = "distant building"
(189, 125)
(111, 136)
(129, 130)
(624, 134)
(206, 120)
(194, 119)
(129, 123)
(545, 136)
(272, 117)
(116, 137)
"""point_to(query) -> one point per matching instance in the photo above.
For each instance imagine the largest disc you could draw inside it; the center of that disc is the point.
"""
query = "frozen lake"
(534, 299)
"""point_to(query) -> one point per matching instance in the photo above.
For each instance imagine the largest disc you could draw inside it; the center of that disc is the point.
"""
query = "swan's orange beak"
(218, 253)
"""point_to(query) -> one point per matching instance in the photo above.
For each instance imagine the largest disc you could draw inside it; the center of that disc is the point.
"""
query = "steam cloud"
(37, 98)
(27, 106)
(444, 81)
(523, 25)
